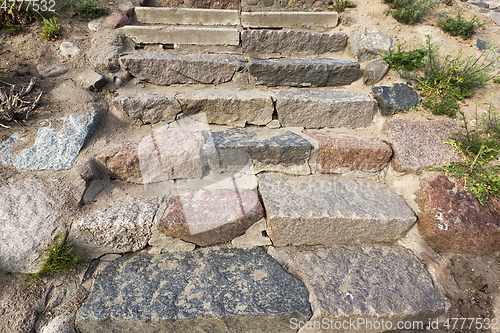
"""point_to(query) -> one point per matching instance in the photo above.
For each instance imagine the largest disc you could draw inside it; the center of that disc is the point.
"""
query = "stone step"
(326, 210)
(182, 35)
(192, 16)
(308, 20)
(210, 290)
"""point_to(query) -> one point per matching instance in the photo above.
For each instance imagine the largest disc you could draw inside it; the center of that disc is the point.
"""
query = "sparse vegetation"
(50, 28)
(341, 5)
(86, 9)
(459, 25)
(14, 16)
(410, 11)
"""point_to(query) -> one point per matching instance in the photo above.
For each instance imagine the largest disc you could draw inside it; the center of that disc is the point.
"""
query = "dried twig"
(13, 108)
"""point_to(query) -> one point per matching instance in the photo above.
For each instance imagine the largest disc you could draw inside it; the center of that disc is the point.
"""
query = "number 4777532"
(36, 5)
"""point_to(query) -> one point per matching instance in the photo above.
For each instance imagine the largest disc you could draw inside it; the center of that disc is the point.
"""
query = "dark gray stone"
(366, 44)
(93, 189)
(325, 210)
(270, 150)
(148, 108)
(375, 71)
(265, 41)
(318, 108)
(106, 47)
(397, 98)
(211, 290)
(166, 68)
(484, 45)
(318, 72)
(90, 169)
(267, 3)
(480, 4)
(382, 283)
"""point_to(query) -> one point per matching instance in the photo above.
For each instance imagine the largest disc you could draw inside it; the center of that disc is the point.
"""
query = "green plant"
(13, 16)
(341, 5)
(410, 11)
(50, 28)
(86, 9)
(459, 26)
(57, 258)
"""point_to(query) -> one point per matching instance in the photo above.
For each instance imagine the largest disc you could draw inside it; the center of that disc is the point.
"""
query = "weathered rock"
(123, 227)
(341, 152)
(369, 286)
(485, 45)
(264, 41)
(57, 149)
(234, 108)
(254, 236)
(51, 70)
(366, 44)
(60, 324)
(452, 220)
(149, 108)
(396, 98)
(95, 25)
(5, 155)
(212, 4)
(319, 20)
(105, 50)
(91, 80)
(207, 216)
(331, 210)
(116, 20)
(375, 71)
(33, 213)
(89, 169)
(318, 72)
(270, 150)
(122, 162)
(166, 68)
(419, 144)
(317, 108)
(216, 289)
(69, 49)
(127, 8)
(93, 189)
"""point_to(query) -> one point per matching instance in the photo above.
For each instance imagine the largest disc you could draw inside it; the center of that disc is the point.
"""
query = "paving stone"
(341, 152)
(166, 68)
(364, 285)
(210, 216)
(308, 20)
(270, 150)
(396, 98)
(233, 108)
(148, 108)
(375, 71)
(191, 16)
(57, 149)
(317, 72)
(51, 70)
(419, 144)
(317, 108)
(266, 41)
(211, 290)
(219, 4)
(452, 220)
(325, 210)
(33, 212)
(207, 35)
(123, 227)
(368, 43)
(105, 49)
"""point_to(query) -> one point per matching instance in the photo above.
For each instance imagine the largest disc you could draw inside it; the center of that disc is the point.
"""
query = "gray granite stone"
(105, 49)
(91, 80)
(148, 108)
(396, 98)
(320, 209)
(211, 290)
(362, 284)
(270, 150)
(318, 72)
(56, 149)
(5, 146)
(233, 108)
(368, 43)
(166, 68)
(123, 227)
(318, 108)
(375, 71)
(265, 41)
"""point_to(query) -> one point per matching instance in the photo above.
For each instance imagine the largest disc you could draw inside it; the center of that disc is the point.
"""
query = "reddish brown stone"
(117, 20)
(419, 144)
(209, 216)
(452, 220)
(341, 150)
(122, 162)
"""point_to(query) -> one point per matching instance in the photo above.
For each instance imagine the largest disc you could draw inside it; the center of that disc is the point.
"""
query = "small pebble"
(118, 82)
(127, 77)
(318, 4)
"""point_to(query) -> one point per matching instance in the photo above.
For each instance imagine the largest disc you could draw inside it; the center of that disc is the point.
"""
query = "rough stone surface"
(320, 209)
(233, 108)
(212, 290)
(187, 16)
(60, 324)
(122, 162)
(91, 80)
(5, 146)
(210, 216)
(116, 20)
(396, 98)
(339, 152)
(51, 70)
(318, 72)
(89, 169)
(317, 108)
(105, 50)
(149, 108)
(166, 68)
(373, 283)
(452, 220)
(57, 149)
(93, 189)
(419, 144)
(285, 19)
(270, 150)
(124, 227)
(213, 4)
(69, 49)
(32, 214)
(366, 44)
(375, 71)
(254, 236)
(265, 41)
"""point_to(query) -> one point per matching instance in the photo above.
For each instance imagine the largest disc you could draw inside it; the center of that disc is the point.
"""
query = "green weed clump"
(410, 11)
(341, 5)
(459, 26)
(50, 28)
(14, 16)
(86, 9)
(479, 146)
(443, 81)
